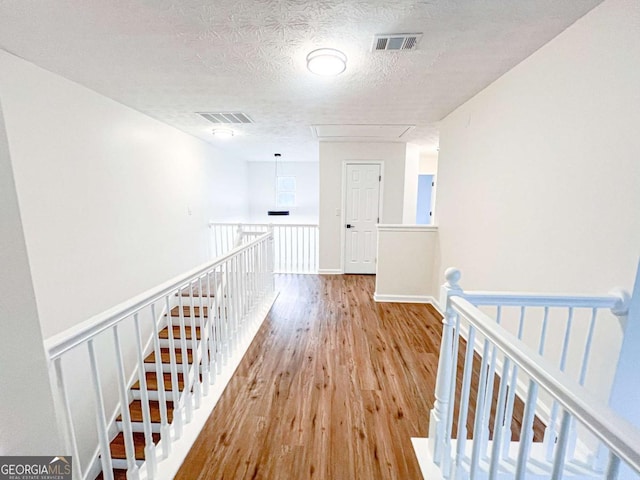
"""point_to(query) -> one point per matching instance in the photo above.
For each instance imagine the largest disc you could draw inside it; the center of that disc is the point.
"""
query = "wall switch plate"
(337, 212)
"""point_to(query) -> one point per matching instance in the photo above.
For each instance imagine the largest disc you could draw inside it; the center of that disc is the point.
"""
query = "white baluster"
(309, 247)
(195, 366)
(289, 266)
(238, 240)
(463, 412)
(67, 420)
(178, 410)
(218, 318)
(478, 428)
(211, 327)
(204, 335)
(550, 436)
(488, 400)
(296, 267)
(511, 395)
(526, 432)
(500, 424)
(452, 387)
(132, 467)
(440, 411)
(281, 241)
(543, 331)
(316, 249)
(236, 320)
(270, 263)
(162, 400)
(254, 274)
(613, 467)
(561, 447)
(103, 436)
(229, 328)
(150, 448)
(587, 347)
(186, 392)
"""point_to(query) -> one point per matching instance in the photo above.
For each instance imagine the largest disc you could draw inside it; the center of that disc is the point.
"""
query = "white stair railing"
(578, 426)
(219, 300)
(295, 245)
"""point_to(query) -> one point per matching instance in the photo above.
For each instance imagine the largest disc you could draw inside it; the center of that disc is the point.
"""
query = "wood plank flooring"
(333, 387)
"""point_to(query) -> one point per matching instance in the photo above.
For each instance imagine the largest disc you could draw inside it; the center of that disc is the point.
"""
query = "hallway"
(333, 387)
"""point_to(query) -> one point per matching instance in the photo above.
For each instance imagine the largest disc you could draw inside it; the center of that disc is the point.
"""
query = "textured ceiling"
(172, 58)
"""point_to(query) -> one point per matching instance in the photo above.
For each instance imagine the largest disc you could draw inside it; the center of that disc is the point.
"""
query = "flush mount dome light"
(326, 62)
(222, 133)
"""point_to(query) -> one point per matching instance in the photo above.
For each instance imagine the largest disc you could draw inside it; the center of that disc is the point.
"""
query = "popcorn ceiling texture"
(171, 58)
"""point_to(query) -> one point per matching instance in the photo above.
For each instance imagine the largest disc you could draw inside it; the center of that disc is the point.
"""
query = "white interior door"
(361, 215)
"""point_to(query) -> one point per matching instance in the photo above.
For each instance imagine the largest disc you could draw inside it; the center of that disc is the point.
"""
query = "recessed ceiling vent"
(396, 41)
(226, 117)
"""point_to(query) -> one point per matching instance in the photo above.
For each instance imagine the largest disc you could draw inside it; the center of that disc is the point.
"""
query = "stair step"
(152, 382)
(118, 450)
(165, 356)
(195, 291)
(186, 311)
(135, 410)
(117, 475)
(164, 333)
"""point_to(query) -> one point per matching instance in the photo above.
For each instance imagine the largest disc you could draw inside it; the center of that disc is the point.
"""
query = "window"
(286, 191)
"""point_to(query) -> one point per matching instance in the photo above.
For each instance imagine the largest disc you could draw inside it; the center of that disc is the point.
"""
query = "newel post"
(238, 240)
(446, 363)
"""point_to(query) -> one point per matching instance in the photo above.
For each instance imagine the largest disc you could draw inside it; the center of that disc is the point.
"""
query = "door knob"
(349, 225)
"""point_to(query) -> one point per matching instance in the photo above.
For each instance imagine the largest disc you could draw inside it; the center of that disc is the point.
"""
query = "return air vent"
(226, 117)
(396, 41)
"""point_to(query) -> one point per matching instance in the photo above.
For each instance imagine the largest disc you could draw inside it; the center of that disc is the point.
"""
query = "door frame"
(343, 204)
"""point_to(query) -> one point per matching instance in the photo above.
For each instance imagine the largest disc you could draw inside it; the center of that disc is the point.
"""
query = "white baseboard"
(404, 298)
(330, 271)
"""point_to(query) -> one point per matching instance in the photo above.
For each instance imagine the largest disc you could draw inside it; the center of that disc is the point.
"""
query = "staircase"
(505, 335)
(117, 445)
(190, 334)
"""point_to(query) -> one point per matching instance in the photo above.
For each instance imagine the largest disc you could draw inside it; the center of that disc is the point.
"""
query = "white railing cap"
(617, 300)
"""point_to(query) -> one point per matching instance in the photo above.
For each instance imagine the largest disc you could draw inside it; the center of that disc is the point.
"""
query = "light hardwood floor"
(333, 387)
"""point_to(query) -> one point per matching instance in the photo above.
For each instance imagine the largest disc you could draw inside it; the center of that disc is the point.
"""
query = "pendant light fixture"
(276, 211)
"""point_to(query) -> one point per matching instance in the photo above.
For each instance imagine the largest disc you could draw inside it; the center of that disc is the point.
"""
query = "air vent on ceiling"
(226, 117)
(396, 41)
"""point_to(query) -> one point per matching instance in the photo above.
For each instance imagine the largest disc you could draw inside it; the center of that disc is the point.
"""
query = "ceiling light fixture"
(223, 133)
(326, 62)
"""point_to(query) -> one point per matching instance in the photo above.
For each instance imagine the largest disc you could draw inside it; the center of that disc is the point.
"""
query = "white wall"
(332, 157)
(428, 164)
(405, 269)
(113, 202)
(411, 172)
(539, 174)
(261, 190)
(26, 403)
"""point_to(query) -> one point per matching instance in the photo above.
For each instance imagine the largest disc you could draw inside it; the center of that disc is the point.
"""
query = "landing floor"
(333, 387)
